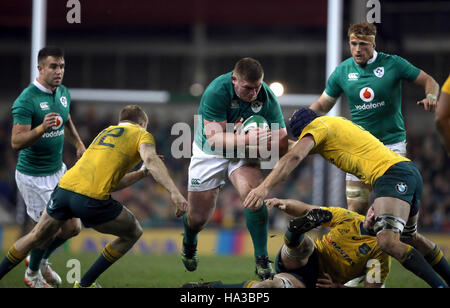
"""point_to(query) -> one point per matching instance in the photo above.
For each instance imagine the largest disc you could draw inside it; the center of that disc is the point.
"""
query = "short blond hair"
(133, 113)
(362, 29)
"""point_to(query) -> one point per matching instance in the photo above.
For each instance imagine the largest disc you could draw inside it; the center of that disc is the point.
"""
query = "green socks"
(258, 226)
(190, 236)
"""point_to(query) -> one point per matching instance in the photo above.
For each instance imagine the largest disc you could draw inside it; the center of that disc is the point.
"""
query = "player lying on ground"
(347, 251)
(85, 192)
(396, 182)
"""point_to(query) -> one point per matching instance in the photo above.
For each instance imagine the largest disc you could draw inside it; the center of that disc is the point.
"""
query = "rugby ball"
(255, 121)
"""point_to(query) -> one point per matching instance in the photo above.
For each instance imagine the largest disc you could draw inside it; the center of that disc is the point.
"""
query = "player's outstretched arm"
(72, 135)
(158, 170)
(282, 169)
(290, 206)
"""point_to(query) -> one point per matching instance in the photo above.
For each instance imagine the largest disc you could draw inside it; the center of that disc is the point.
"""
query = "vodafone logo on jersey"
(366, 94)
(59, 122)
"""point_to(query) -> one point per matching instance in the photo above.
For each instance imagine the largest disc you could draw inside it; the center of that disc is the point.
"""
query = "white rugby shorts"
(36, 190)
(210, 171)
(399, 148)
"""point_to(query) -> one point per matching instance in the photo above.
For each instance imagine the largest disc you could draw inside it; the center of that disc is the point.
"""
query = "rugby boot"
(189, 257)
(264, 268)
(311, 220)
(49, 274)
(94, 285)
(36, 281)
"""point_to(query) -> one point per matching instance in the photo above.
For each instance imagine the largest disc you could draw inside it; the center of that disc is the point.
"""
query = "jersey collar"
(374, 57)
(126, 123)
(371, 60)
(41, 87)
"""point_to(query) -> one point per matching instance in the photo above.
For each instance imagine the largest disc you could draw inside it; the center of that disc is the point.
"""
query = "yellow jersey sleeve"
(340, 215)
(146, 137)
(318, 129)
(446, 86)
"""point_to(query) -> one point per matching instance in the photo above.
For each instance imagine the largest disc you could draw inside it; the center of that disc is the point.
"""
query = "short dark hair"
(362, 29)
(249, 69)
(133, 113)
(50, 51)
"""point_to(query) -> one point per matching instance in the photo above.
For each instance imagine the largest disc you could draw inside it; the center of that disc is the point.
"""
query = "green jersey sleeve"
(214, 106)
(22, 112)
(406, 70)
(333, 88)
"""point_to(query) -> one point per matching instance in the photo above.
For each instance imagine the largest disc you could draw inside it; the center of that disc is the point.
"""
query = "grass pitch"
(167, 271)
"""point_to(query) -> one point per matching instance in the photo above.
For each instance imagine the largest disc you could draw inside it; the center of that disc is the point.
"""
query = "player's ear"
(233, 78)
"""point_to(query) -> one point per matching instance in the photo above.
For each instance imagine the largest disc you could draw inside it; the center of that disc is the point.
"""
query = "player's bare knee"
(137, 231)
(357, 198)
(71, 229)
(197, 221)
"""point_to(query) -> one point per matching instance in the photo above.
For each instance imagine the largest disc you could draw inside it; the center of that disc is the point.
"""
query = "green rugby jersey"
(374, 93)
(45, 156)
(220, 103)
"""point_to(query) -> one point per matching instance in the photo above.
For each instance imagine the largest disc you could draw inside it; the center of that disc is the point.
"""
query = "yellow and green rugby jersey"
(446, 86)
(109, 157)
(374, 93)
(351, 148)
(347, 251)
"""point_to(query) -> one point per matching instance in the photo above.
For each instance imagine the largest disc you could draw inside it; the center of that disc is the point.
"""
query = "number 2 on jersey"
(108, 133)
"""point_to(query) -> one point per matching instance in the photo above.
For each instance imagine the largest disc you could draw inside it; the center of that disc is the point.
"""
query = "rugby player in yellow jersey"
(396, 182)
(345, 252)
(442, 116)
(85, 192)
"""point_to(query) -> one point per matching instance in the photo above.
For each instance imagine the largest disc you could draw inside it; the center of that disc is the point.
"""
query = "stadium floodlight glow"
(277, 88)
(196, 89)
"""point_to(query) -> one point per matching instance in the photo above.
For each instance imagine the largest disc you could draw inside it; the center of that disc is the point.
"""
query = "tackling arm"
(291, 207)
(281, 171)
(158, 170)
(289, 162)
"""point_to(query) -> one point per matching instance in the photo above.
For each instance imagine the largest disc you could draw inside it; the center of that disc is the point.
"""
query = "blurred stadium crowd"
(149, 201)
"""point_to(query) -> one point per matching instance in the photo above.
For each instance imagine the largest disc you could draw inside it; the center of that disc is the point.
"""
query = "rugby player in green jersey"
(371, 82)
(230, 97)
(41, 122)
